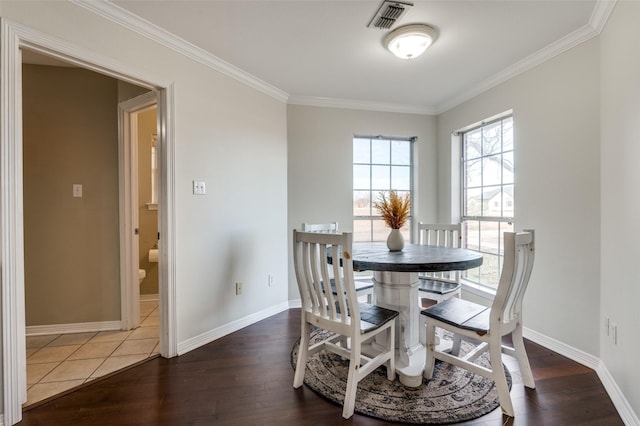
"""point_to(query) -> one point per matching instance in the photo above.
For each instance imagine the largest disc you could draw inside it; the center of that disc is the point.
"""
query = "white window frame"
(480, 286)
(375, 191)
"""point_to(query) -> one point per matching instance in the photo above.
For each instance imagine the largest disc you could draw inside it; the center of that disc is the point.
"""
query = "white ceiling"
(322, 51)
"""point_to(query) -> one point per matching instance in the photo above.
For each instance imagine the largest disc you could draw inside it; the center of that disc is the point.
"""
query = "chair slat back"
(519, 254)
(441, 235)
(314, 275)
(320, 227)
(330, 227)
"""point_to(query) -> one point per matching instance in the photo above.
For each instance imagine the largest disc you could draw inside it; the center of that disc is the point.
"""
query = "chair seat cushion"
(437, 287)
(373, 316)
(461, 313)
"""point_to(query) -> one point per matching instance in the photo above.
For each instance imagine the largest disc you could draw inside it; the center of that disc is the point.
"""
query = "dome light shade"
(410, 41)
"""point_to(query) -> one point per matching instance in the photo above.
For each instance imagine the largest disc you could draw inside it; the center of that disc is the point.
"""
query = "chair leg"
(495, 357)
(303, 354)
(523, 359)
(455, 348)
(430, 361)
(391, 364)
(352, 383)
(344, 342)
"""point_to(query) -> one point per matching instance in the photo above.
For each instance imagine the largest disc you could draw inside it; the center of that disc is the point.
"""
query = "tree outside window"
(487, 192)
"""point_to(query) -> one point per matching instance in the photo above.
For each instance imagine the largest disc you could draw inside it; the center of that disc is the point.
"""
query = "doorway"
(16, 38)
(139, 233)
(72, 205)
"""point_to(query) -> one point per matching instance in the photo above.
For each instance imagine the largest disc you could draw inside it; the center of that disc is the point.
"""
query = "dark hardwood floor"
(246, 379)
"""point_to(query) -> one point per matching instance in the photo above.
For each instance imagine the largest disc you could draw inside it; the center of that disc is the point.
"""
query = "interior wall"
(71, 243)
(226, 134)
(147, 218)
(620, 132)
(557, 186)
(128, 91)
(321, 163)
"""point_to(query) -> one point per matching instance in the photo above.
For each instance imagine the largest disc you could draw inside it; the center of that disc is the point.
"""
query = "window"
(380, 164)
(487, 195)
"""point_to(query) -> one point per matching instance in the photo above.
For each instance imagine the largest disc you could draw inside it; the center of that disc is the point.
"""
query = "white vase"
(395, 240)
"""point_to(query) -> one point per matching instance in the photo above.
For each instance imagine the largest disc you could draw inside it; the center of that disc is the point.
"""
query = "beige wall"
(147, 219)
(71, 244)
(128, 91)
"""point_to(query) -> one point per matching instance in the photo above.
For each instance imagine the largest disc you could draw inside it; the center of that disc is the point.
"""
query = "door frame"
(129, 216)
(13, 37)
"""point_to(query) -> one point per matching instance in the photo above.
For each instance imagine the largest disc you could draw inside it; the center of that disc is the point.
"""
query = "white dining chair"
(364, 287)
(350, 322)
(320, 227)
(484, 327)
(438, 286)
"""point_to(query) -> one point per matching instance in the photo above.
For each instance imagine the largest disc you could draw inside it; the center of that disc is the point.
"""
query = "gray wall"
(620, 150)
(320, 162)
(557, 191)
(227, 134)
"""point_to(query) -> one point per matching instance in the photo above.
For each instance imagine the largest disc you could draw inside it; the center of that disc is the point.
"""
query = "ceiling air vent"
(388, 13)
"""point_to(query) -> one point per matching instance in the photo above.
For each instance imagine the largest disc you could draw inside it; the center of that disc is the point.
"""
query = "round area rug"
(453, 394)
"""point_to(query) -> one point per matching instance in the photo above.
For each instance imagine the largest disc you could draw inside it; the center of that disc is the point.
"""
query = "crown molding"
(153, 32)
(361, 105)
(600, 15)
(598, 19)
(108, 10)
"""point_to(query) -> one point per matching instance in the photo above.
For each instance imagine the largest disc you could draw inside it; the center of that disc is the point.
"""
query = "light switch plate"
(199, 187)
(77, 190)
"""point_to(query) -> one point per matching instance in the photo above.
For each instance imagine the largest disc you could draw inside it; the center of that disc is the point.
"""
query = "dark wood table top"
(413, 258)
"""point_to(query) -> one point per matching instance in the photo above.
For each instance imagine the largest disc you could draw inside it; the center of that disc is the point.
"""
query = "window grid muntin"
(375, 221)
(504, 222)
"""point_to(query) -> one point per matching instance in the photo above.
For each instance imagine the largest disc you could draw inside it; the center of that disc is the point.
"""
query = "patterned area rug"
(453, 395)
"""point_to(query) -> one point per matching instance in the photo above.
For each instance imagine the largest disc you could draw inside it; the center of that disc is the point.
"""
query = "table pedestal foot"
(411, 375)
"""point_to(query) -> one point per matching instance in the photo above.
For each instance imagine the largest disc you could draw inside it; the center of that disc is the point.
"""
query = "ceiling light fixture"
(410, 41)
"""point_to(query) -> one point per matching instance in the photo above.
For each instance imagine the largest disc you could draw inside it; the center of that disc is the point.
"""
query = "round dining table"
(396, 282)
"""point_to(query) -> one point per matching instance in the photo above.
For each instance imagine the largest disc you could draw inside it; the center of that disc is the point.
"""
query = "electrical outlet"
(199, 188)
(270, 281)
(614, 333)
(238, 288)
(77, 190)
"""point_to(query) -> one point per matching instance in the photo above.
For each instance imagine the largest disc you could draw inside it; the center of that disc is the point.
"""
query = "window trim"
(478, 288)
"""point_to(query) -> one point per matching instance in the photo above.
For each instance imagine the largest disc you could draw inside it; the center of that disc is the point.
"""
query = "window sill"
(479, 291)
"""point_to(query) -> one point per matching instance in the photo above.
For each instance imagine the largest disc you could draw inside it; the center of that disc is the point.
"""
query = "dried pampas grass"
(394, 209)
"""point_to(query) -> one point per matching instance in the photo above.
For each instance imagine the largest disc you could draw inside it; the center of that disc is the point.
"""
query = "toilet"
(141, 274)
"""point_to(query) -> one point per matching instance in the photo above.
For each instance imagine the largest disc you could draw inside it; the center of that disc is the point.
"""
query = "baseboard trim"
(83, 327)
(570, 352)
(296, 303)
(621, 403)
(149, 297)
(625, 410)
(216, 333)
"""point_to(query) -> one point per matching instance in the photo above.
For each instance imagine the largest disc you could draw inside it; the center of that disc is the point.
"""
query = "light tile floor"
(56, 363)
